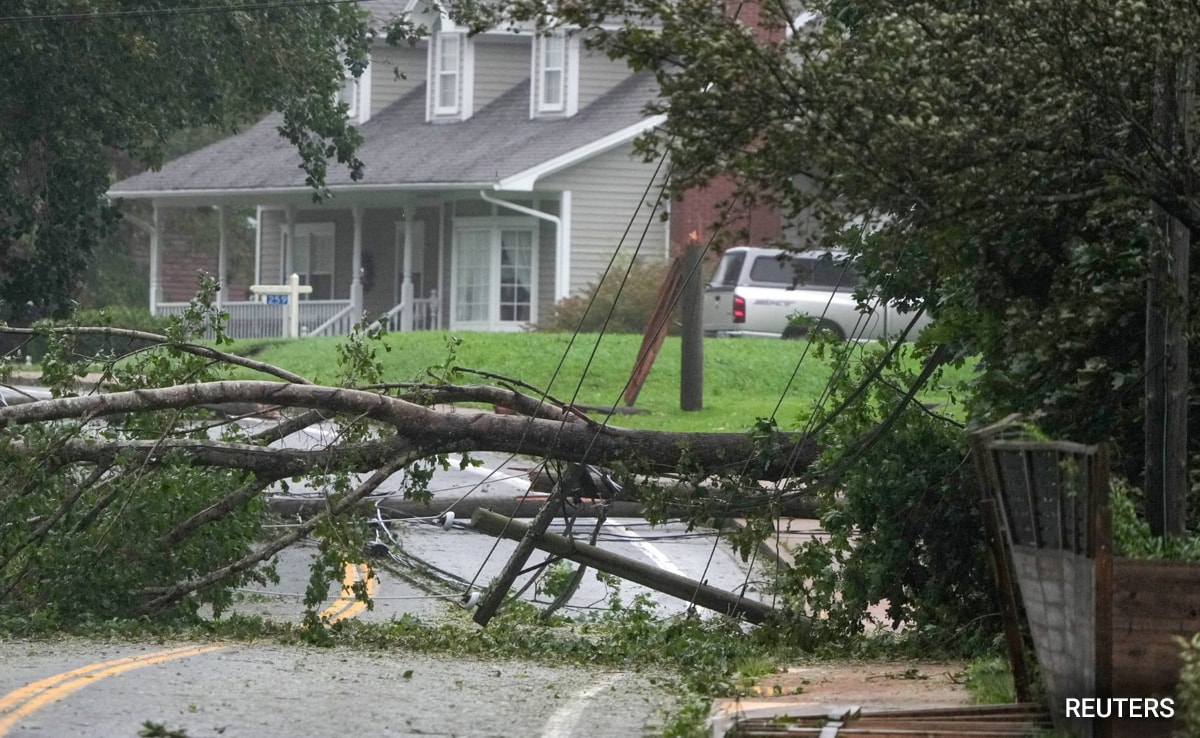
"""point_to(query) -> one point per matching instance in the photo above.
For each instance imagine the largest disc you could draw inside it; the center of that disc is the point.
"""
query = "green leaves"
(76, 90)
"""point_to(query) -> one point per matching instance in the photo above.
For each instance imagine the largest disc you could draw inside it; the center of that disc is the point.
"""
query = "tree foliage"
(87, 78)
(904, 548)
(1008, 165)
(144, 495)
(1010, 161)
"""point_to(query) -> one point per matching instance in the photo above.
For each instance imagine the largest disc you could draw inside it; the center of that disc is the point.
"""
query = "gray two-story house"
(499, 177)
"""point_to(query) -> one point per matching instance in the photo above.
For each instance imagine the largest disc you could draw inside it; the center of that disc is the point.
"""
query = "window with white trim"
(349, 95)
(312, 258)
(447, 73)
(552, 91)
(494, 274)
(355, 94)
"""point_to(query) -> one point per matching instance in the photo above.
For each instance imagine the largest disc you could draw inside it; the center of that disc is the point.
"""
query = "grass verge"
(744, 380)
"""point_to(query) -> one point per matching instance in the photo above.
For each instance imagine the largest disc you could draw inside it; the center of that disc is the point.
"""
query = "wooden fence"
(1102, 626)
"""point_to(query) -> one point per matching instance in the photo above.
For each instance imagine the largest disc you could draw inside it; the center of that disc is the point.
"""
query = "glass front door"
(516, 276)
(495, 274)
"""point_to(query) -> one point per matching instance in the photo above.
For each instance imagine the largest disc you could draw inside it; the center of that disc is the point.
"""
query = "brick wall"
(696, 215)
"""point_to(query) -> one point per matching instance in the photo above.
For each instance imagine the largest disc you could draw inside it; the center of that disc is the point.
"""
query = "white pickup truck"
(757, 291)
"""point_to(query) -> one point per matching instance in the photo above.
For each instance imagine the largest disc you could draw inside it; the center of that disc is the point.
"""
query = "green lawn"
(743, 379)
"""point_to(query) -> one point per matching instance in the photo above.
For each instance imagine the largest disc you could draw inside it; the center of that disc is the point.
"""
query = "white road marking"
(564, 720)
(654, 553)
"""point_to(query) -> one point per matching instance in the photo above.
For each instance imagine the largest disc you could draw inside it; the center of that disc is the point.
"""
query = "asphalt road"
(266, 691)
(102, 690)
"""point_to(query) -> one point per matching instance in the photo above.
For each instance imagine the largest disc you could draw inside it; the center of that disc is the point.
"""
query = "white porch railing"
(426, 314)
(339, 324)
(254, 319)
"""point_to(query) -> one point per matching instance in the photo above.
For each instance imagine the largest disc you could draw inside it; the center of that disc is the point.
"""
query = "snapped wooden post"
(529, 538)
(690, 590)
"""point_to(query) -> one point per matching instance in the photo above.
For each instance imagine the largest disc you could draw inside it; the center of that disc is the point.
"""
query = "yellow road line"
(346, 606)
(33, 697)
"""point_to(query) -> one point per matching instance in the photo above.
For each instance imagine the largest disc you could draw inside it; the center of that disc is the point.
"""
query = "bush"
(1189, 686)
(16, 347)
(903, 523)
(630, 304)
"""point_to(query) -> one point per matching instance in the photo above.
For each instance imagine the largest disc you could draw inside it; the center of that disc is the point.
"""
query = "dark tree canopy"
(1010, 163)
(86, 78)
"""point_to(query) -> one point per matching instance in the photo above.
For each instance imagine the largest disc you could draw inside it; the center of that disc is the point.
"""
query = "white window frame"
(568, 73)
(359, 98)
(290, 251)
(495, 225)
(442, 71)
(549, 44)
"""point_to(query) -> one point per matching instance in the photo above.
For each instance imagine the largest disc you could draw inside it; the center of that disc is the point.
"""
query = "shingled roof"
(499, 146)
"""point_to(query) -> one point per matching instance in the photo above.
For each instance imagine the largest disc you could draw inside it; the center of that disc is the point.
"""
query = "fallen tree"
(147, 490)
(151, 489)
(418, 430)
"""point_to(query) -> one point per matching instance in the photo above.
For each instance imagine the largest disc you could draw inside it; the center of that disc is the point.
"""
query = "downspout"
(560, 256)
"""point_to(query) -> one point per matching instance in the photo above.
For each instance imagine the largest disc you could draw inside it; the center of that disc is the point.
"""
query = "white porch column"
(222, 245)
(562, 245)
(155, 286)
(289, 249)
(356, 288)
(406, 284)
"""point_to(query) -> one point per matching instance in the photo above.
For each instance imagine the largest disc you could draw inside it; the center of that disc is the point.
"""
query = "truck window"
(729, 269)
(772, 270)
(832, 274)
(803, 272)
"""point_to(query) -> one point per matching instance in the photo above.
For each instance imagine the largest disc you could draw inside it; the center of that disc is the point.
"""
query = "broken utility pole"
(529, 537)
(624, 567)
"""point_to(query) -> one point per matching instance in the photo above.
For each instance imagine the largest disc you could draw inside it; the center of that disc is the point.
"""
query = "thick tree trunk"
(420, 430)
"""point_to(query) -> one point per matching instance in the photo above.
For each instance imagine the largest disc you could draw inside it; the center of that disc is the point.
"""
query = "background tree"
(1013, 163)
(85, 78)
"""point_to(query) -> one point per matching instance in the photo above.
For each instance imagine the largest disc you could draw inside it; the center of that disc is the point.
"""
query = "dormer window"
(555, 76)
(448, 75)
(355, 94)
(451, 75)
(348, 96)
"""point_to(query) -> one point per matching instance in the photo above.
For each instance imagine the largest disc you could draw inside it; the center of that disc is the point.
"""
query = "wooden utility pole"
(1166, 388)
(529, 536)
(691, 369)
(626, 568)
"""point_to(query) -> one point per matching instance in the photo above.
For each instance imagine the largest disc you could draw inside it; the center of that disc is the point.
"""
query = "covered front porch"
(463, 260)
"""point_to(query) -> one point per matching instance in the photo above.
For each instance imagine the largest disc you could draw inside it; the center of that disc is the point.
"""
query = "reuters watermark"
(1106, 708)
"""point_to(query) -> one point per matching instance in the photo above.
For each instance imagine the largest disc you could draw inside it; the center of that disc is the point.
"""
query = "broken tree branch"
(428, 431)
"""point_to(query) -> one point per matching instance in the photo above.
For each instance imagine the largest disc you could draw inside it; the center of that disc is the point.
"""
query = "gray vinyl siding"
(804, 227)
(597, 75)
(386, 88)
(500, 65)
(606, 191)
